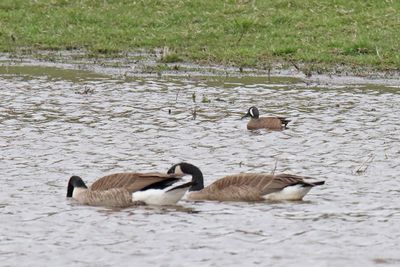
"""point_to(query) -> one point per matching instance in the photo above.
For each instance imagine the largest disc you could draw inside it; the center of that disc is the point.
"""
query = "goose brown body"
(271, 123)
(116, 190)
(245, 186)
(115, 197)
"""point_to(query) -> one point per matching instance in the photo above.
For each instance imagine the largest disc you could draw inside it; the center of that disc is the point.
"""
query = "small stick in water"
(363, 167)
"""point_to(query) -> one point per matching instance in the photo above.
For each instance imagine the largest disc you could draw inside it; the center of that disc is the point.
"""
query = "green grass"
(232, 32)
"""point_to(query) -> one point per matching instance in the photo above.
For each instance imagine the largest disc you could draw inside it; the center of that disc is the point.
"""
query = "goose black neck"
(197, 176)
(74, 181)
(197, 180)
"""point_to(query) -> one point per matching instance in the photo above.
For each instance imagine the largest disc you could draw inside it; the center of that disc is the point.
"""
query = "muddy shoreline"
(148, 64)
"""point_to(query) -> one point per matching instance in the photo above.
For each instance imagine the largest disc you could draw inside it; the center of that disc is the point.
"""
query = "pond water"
(347, 135)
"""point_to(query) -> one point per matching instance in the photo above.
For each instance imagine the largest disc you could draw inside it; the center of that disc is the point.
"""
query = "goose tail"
(308, 184)
(318, 183)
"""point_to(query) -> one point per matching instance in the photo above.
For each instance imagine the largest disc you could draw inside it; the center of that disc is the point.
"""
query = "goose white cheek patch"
(178, 170)
(77, 191)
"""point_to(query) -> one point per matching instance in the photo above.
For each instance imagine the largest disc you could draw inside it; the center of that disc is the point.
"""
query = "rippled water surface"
(347, 135)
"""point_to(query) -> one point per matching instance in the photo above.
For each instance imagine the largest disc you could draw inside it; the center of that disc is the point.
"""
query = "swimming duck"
(271, 123)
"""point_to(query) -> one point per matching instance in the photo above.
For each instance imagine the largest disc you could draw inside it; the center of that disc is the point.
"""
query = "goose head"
(75, 182)
(185, 168)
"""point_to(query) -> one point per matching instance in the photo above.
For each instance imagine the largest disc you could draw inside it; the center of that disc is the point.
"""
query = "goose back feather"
(246, 187)
(133, 182)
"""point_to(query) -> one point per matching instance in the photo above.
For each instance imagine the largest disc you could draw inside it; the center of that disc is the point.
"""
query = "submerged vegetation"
(231, 32)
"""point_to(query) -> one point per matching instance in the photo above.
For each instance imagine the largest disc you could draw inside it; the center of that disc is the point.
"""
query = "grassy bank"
(235, 32)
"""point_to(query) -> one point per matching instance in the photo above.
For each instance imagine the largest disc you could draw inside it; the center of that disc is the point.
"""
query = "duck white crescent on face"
(251, 112)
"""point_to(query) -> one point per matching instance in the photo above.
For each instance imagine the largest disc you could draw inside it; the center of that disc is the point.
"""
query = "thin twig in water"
(177, 93)
(363, 167)
(194, 113)
(259, 233)
(276, 165)
(86, 91)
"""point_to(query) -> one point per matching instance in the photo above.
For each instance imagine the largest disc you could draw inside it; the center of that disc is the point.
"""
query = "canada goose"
(126, 189)
(245, 186)
(272, 123)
